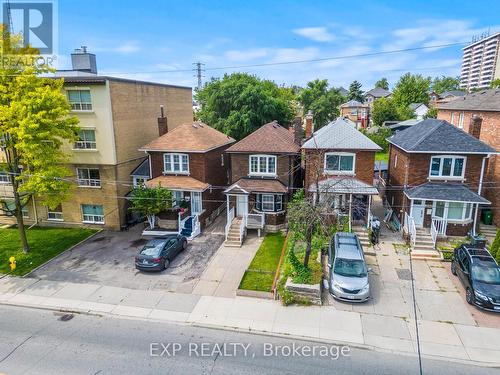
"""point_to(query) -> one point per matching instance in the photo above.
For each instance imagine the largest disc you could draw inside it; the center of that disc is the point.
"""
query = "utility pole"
(199, 72)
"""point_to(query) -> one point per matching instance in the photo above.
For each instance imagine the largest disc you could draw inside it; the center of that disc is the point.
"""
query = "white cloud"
(318, 34)
(244, 55)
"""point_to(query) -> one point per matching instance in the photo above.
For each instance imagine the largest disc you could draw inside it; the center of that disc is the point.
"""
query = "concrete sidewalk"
(327, 324)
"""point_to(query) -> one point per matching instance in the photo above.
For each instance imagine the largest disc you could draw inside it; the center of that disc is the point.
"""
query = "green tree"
(444, 83)
(355, 92)
(411, 88)
(35, 122)
(382, 83)
(324, 102)
(150, 202)
(380, 137)
(495, 84)
(431, 113)
(384, 109)
(239, 103)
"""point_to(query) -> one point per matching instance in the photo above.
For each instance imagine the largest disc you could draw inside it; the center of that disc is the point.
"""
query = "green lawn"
(381, 155)
(260, 274)
(45, 243)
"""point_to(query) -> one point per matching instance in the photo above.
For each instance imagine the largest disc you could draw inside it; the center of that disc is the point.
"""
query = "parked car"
(158, 253)
(348, 278)
(480, 275)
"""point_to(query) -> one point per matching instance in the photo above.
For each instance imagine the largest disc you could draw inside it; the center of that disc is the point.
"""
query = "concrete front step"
(425, 254)
(424, 248)
(232, 244)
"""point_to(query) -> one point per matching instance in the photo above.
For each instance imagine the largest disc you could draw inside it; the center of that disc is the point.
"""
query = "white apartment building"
(481, 63)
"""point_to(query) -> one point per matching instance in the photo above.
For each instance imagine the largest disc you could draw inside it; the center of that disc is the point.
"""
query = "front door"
(241, 205)
(417, 211)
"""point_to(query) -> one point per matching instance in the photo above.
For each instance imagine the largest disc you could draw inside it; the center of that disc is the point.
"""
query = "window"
(55, 214)
(453, 211)
(269, 202)
(139, 180)
(176, 163)
(461, 120)
(86, 141)
(80, 100)
(263, 164)
(452, 120)
(341, 163)
(447, 166)
(4, 178)
(177, 198)
(88, 177)
(93, 214)
(196, 206)
(354, 112)
(395, 161)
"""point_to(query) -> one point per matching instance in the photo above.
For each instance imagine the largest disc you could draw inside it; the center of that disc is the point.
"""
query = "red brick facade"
(490, 134)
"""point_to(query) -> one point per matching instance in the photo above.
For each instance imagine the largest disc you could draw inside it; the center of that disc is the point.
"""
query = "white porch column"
(350, 211)
(369, 212)
(227, 208)
(475, 220)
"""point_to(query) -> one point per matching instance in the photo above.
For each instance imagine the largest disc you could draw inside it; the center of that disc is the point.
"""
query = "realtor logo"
(34, 21)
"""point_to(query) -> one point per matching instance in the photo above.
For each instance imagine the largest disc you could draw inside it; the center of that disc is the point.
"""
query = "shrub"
(495, 246)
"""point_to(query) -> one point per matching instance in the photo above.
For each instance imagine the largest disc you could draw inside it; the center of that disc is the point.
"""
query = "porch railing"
(410, 228)
(434, 233)
(230, 217)
(243, 226)
(255, 221)
(196, 227)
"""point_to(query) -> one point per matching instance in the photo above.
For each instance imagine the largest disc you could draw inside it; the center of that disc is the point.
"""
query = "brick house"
(339, 164)
(376, 93)
(435, 178)
(190, 161)
(357, 112)
(264, 173)
(479, 114)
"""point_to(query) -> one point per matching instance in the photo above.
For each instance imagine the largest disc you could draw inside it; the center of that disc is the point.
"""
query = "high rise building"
(481, 63)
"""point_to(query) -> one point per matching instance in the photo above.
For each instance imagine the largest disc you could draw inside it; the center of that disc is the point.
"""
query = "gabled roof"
(432, 135)
(343, 91)
(452, 93)
(192, 137)
(142, 169)
(353, 103)
(340, 134)
(414, 106)
(269, 138)
(185, 183)
(249, 185)
(486, 100)
(445, 192)
(378, 92)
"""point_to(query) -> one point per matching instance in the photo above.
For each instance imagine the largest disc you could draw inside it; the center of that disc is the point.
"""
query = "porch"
(346, 197)
(440, 210)
(254, 204)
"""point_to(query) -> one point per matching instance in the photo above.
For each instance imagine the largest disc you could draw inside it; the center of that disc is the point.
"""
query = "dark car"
(480, 275)
(158, 253)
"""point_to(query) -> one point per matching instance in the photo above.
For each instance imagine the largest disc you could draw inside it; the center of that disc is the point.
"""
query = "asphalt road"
(40, 342)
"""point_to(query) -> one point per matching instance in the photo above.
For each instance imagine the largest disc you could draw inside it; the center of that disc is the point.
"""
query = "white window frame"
(84, 144)
(445, 212)
(451, 176)
(92, 219)
(88, 182)
(176, 201)
(452, 119)
(84, 106)
(461, 120)
(200, 200)
(262, 202)
(168, 167)
(139, 180)
(337, 172)
(56, 215)
(260, 172)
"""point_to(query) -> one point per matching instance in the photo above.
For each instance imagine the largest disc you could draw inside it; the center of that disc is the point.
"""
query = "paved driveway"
(108, 259)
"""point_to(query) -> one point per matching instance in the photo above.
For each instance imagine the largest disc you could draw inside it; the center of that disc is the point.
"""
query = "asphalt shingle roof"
(260, 185)
(142, 169)
(271, 138)
(445, 192)
(452, 93)
(432, 135)
(378, 92)
(340, 134)
(487, 100)
(353, 103)
(343, 185)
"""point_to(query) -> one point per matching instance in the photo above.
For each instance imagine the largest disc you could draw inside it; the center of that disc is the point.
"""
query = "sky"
(153, 40)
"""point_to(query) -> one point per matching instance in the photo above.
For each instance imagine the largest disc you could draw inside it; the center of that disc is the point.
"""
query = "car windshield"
(152, 248)
(484, 274)
(350, 267)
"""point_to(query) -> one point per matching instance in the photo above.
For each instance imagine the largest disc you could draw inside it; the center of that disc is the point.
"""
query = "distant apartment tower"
(481, 63)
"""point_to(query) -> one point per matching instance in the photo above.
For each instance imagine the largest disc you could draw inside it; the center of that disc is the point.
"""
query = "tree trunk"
(308, 246)
(19, 215)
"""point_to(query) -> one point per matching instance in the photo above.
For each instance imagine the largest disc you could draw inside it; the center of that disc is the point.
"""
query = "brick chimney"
(309, 124)
(475, 126)
(162, 123)
(296, 130)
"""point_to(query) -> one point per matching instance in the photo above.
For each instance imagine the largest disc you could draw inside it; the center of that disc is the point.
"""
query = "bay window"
(447, 166)
(341, 163)
(262, 165)
(453, 211)
(176, 163)
(269, 202)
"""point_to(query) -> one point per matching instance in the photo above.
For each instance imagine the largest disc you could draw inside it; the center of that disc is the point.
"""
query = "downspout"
(479, 191)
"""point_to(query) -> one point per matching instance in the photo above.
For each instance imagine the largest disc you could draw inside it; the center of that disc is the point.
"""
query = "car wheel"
(453, 268)
(469, 297)
(184, 245)
(166, 264)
